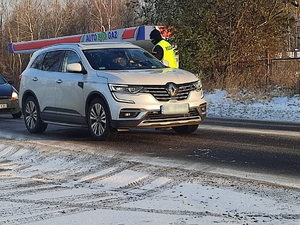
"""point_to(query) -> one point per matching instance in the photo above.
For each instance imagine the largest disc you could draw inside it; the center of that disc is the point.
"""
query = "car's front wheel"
(186, 129)
(99, 121)
(32, 116)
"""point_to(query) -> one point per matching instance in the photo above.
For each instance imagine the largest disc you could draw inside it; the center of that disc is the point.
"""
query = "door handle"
(59, 81)
(35, 79)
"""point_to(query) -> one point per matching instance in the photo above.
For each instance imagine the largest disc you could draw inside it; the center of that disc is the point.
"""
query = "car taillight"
(20, 77)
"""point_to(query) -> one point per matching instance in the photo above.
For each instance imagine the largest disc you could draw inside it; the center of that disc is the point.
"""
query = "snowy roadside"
(44, 184)
(221, 104)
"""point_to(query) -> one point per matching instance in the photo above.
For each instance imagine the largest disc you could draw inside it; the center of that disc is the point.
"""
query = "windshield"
(121, 58)
(2, 81)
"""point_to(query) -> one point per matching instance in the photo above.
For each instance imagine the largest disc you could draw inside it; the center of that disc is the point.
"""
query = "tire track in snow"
(33, 174)
(38, 185)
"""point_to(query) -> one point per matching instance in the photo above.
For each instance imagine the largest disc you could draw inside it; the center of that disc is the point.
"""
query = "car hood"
(5, 90)
(148, 77)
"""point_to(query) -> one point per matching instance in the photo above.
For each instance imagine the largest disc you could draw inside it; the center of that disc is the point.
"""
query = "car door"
(40, 79)
(46, 84)
(69, 92)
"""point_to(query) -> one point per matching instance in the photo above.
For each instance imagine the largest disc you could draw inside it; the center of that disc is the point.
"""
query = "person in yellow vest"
(163, 50)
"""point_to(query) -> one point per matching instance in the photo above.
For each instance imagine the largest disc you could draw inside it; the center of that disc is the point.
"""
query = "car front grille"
(162, 94)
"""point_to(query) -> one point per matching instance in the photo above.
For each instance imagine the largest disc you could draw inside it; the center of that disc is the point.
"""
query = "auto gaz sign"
(113, 34)
(95, 37)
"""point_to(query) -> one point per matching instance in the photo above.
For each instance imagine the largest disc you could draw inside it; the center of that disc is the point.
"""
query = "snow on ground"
(139, 196)
(250, 106)
(49, 185)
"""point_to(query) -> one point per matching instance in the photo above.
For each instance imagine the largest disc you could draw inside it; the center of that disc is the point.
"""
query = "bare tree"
(54, 19)
(108, 14)
(28, 17)
(130, 14)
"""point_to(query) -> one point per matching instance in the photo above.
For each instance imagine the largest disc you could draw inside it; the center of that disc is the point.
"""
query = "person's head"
(121, 61)
(155, 36)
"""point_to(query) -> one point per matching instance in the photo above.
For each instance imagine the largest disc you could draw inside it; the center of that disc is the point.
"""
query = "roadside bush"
(277, 77)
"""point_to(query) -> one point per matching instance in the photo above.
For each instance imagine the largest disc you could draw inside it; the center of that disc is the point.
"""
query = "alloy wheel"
(31, 114)
(98, 119)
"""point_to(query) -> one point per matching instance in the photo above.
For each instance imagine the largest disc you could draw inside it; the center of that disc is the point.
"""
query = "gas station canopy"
(137, 35)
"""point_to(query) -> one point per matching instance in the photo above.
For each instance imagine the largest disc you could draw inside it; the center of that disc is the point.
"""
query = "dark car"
(9, 99)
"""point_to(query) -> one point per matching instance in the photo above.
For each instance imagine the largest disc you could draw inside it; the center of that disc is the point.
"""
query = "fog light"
(126, 113)
(203, 107)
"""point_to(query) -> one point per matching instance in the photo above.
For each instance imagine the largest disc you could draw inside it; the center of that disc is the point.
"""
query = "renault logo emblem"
(172, 89)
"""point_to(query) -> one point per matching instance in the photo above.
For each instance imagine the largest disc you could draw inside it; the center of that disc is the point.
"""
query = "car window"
(38, 62)
(119, 58)
(53, 61)
(70, 57)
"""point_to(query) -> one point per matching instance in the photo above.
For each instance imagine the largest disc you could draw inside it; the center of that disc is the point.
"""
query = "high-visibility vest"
(169, 54)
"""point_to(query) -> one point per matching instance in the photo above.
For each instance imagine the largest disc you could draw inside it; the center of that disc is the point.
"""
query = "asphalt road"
(229, 171)
(240, 144)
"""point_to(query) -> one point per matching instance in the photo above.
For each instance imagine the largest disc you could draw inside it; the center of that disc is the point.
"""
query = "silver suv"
(108, 87)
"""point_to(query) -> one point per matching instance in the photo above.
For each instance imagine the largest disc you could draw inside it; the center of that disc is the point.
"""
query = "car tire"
(17, 115)
(99, 122)
(32, 116)
(186, 129)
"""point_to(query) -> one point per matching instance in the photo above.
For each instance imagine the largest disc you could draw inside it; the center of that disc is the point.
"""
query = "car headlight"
(197, 85)
(125, 89)
(14, 96)
(121, 93)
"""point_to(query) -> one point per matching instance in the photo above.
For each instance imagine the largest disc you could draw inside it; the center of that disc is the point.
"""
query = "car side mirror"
(75, 68)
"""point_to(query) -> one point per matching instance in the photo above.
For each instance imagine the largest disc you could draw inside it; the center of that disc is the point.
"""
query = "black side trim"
(68, 119)
(63, 116)
(48, 116)
(66, 111)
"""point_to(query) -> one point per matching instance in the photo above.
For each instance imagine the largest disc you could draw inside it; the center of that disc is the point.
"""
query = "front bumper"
(12, 106)
(155, 119)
